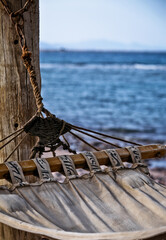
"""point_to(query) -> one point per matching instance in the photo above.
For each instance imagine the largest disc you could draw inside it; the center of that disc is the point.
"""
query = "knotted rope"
(49, 129)
(18, 21)
(26, 56)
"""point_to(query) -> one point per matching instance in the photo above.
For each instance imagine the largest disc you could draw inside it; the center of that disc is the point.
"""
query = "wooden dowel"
(29, 167)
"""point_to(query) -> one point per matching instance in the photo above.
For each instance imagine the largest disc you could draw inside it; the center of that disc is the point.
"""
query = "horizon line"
(104, 50)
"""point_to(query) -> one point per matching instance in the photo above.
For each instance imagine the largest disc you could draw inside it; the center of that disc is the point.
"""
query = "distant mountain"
(48, 46)
(103, 45)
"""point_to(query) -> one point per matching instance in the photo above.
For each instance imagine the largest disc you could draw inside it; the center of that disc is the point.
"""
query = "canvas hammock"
(112, 203)
(119, 202)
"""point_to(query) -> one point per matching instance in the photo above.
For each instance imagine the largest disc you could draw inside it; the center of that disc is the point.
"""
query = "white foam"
(151, 67)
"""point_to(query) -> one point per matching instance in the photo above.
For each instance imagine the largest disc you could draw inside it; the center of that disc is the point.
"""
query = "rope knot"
(26, 55)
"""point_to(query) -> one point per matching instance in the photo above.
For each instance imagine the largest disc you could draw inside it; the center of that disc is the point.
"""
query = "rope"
(26, 56)
(25, 8)
(104, 135)
(11, 139)
(10, 135)
(15, 148)
(18, 22)
(50, 129)
(100, 139)
(81, 139)
(66, 141)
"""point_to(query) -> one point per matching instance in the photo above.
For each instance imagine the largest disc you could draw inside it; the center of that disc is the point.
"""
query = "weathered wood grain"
(17, 104)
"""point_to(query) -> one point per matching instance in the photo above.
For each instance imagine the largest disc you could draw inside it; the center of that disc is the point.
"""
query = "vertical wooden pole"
(17, 103)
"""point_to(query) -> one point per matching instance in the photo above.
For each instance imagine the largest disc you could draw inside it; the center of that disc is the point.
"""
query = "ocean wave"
(91, 66)
(149, 67)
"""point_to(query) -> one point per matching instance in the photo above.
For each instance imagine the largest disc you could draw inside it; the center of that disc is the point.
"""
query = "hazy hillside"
(100, 45)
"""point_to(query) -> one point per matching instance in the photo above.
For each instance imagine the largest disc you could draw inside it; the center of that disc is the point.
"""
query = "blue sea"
(118, 93)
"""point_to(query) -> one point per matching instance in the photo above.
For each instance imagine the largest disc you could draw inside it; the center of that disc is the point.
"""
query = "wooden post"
(17, 103)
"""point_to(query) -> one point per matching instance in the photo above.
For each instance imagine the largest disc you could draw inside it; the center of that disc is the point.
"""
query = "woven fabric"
(125, 205)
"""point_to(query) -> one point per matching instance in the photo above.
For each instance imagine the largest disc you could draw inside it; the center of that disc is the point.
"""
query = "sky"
(131, 22)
